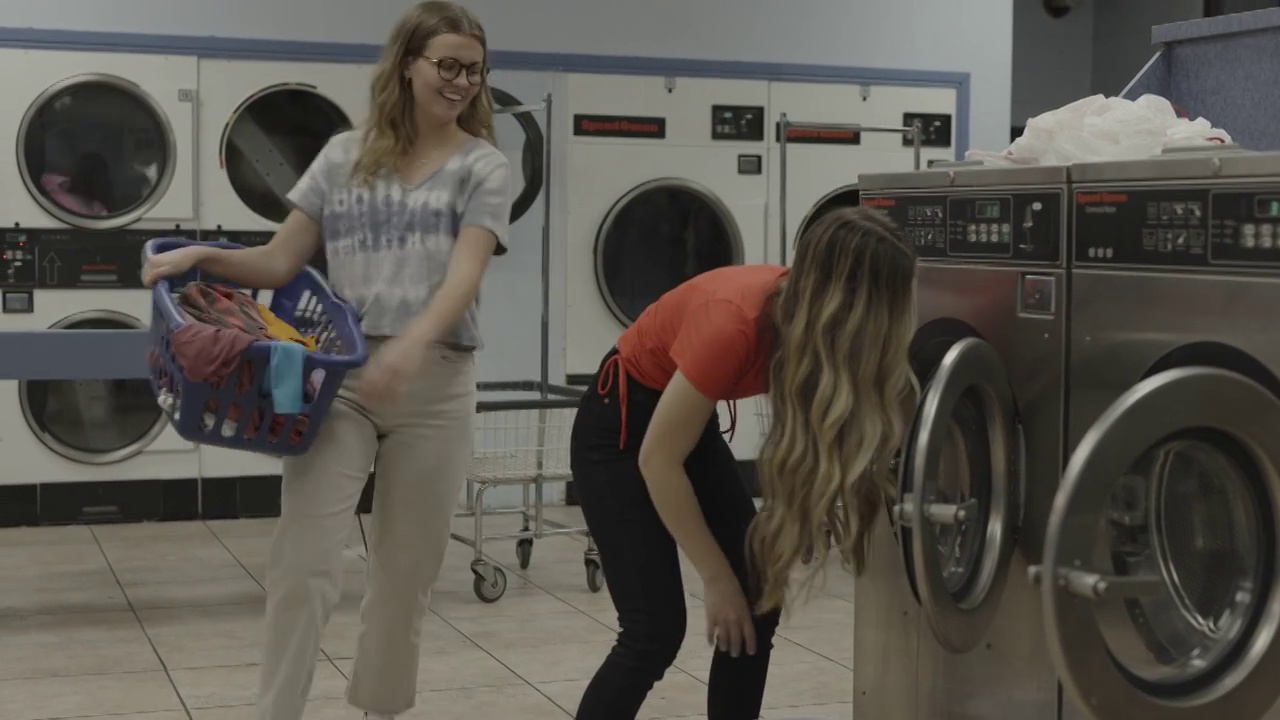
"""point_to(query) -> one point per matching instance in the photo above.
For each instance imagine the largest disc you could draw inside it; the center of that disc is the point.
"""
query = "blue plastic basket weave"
(220, 414)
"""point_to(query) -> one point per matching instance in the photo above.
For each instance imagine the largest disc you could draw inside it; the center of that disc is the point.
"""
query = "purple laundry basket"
(237, 412)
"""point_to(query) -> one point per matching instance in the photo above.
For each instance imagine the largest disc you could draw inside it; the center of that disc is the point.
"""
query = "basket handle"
(156, 246)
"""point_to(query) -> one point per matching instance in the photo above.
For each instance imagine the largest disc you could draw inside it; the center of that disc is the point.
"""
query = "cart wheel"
(524, 551)
(595, 576)
(491, 592)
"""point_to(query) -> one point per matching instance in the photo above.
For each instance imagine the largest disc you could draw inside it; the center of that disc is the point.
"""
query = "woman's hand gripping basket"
(226, 379)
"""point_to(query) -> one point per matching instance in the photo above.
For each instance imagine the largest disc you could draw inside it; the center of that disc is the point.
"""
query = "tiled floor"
(162, 622)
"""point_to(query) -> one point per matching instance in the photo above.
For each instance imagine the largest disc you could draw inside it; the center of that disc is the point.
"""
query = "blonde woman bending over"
(827, 340)
(408, 211)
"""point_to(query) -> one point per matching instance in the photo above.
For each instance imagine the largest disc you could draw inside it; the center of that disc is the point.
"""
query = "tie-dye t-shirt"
(388, 244)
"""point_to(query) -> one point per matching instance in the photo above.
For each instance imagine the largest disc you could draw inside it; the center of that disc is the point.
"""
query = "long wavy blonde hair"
(390, 131)
(841, 390)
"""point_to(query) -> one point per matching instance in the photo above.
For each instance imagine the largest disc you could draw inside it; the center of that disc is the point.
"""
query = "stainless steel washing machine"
(941, 631)
(1163, 542)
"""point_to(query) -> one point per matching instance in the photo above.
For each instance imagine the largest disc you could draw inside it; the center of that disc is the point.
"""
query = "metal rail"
(915, 131)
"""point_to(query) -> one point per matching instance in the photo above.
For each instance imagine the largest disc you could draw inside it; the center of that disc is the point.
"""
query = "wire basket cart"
(521, 437)
(522, 428)
(765, 416)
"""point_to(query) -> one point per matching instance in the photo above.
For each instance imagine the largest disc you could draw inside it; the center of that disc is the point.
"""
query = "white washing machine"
(82, 430)
(104, 140)
(104, 150)
(261, 124)
(823, 164)
(663, 179)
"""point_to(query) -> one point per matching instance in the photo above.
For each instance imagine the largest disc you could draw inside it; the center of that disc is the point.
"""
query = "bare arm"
(272, 265)
(678, 421)
(462, 280)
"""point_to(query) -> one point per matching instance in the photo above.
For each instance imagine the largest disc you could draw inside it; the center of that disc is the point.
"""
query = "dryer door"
(842, 197)
(271, 139)
(658, 235)
(1159, 589)
(959, 491)
(532, 151)
(96, 151)
(93, 422)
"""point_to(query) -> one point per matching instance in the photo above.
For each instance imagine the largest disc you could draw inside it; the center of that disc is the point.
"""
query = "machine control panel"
(17, 260)
(737, 122)
(71, 258)
(1178, 226)
(1011, 224)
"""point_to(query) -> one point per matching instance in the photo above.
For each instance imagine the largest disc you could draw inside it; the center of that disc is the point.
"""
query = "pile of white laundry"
(1104, 128)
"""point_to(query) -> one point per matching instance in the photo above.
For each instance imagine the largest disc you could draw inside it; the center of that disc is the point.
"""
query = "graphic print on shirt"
(389, 243)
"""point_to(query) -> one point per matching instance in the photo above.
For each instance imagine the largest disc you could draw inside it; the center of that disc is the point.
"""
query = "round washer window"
(657, 236)
(1187, 512)
(93, 421)
(272, 139)
(96, 151)
(964, 472)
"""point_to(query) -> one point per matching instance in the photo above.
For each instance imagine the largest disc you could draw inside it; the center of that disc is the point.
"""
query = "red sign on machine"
(810, 135)
(620, 126)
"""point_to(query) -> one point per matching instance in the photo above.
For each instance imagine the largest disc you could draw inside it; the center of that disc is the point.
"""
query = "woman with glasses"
(409, 210)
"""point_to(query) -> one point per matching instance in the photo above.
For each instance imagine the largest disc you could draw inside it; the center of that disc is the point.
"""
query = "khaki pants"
(421, 444)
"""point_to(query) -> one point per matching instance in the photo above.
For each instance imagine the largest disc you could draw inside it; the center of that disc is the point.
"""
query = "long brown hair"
(390, 131)
(840, 389)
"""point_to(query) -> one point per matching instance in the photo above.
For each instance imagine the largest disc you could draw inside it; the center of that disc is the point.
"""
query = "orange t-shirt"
(708, 328)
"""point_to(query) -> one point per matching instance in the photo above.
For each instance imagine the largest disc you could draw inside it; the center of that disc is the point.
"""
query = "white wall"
(1052, 59)
(972, 36)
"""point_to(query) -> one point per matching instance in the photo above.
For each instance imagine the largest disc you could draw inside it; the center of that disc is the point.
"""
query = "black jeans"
(641, 563)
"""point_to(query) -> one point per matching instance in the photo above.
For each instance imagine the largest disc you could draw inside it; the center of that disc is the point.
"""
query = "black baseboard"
(750, 478)
(128, 501)
(131, 501)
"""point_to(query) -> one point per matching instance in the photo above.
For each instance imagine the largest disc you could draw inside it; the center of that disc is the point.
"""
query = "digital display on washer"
(1267, 207)
(987, 209)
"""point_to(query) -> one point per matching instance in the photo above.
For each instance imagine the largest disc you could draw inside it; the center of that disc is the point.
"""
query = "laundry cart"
(521, 438)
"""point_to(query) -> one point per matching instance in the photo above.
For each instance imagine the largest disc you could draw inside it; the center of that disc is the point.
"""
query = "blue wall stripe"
(305, 51)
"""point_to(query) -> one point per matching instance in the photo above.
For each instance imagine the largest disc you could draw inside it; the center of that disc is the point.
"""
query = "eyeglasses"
(449, 69)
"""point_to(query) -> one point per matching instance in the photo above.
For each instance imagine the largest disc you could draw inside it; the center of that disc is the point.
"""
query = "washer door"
(95, 422)
(271, 140)
(959, 489)
(96, 151)
(1159, 586)
(655, 237)
(532, 151)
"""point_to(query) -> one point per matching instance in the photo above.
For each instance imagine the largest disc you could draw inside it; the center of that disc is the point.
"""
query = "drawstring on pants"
(615, 371)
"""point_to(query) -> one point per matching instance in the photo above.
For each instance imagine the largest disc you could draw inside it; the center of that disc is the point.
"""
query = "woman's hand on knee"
(730, 626)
